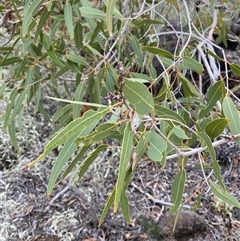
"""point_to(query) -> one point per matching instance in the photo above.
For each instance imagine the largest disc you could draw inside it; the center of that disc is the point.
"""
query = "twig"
(156, 200)
(59, 194)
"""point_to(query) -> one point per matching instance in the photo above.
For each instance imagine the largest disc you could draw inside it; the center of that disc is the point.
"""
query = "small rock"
(189, 226)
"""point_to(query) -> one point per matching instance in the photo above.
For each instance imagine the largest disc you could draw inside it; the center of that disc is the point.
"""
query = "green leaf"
(188, 87)
(179, 132)
(67, 151)
(74, 67)
(235, 69)
(107, 206)
(142, 145)
(44, 17)
(125, 156)
(52, 54)
(89, 160)
(138, 95)
(78, 35)
(77, 59)
(158, 51)
(163, 112)
(204, 138)
(74, 162)
(80, 125)
(109, 14)
(29, 10)
(224, 195)
(193, 64)
(230, 111)
(157, 147)
(9, 61)
(68, 19)
(214, 94)
(94, 13)
(177, 190)
(12, 134)
(125, 207)
(216, 127)
(137, 50)
(99, 134)
(78, 96)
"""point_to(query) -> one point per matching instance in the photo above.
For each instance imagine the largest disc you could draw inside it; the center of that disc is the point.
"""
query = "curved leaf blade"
(230, 111)
(177, 190)
(125, 156)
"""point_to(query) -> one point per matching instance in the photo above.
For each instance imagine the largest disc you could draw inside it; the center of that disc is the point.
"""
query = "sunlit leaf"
(99, 134)
(80, 125)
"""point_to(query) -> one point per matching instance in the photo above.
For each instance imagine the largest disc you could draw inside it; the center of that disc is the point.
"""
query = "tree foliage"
(112, 48)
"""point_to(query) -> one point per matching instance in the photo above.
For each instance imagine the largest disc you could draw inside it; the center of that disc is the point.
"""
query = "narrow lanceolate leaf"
(224, 195)
(125, 156)
(9, 61)
(99, 134)
(28, 13)
(137, 50)
(163, 112)
(94, 13)
(177, 190)
(107, 206)
(141, 148)
(78, 96)
(67, 151)
(193, 64)
(77, 59)
(78, 35)
(68, 19)
(138, 95)
(158, 51)
(89, 160)
(74, 162)
(230, 111)
(157, 147)
(214, 94)
(188, 88)
(52, 54)
(216, 127)
(45, 15)
(109, 15)
(80, 125)
(204, 138)
(235, 69)
(125, 207)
